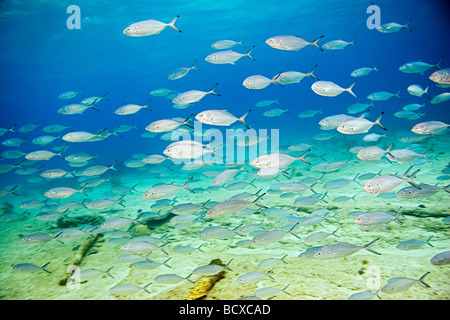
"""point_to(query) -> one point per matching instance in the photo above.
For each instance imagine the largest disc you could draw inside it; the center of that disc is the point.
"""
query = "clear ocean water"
(42, 58)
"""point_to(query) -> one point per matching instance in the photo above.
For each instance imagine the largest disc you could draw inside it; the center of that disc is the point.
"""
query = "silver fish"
(388, 183)
(291, 43)
(359, 125)
(418, 66)
(193, 96)
(182, 72)
(30, 267)
(289, 77)
(330, 89)
(225, 44)
(342, 249)
(220, 118)
(399, 284)
(228, 56)
(149, 27)
(440, 259)
(231, 206)
(164, 191)
(211, 269)
(127, 289)
(276, 160)
(430, 127)
(441, 76)
(392, 27)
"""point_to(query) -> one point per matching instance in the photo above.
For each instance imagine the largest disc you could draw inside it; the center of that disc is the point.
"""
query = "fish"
(95, 170)
(10, 129)
(404, 155)
(42, 155)
(388, 183)
(440, 98)
(332, 122)
(419, 66)
(131, 109)
(14, 142)
(140, 247)
(441, 258)
(188, 149)
(220, 118)
(127, 289)
(363, 295)
(149, 27)
(330, 89)
(382, 95)
(228, 56)
(359, 125)
(425, 191)
(373, 153)
(82, 136)
(257, 82)
(226, 176)
(309, 113)
(266, 103)
(211, 269)
(76, 108)
(182, 72)
(413, 244)
(338, 44)
(225, 44)
(289, 77)
(342, 249)
(377, 218)
(30, 267)
(149, 264)
(275, 112)
(320, 235)
(193, 96)
(62, 192)
(165, 191)
(408, 115)
(38, 238)
(392, 27)
(171, 278)
(277, 160)
(359, 107)
(441, 76)
(253, 277)
(291, 43)
(80, 276)
(399, 284)
(68, 94)
(372, 137)
(215, 232)
(430, 127)
(272, 236)
(417, 90)
(231, 206)
(363, 71)
(269, 292)
(167, 125)
(44, 140)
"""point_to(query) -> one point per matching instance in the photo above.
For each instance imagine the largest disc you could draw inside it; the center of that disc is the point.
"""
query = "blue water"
(41, 58)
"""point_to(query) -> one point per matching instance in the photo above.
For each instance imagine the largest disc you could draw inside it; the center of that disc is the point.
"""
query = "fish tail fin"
(377, 122)
(447, 188)
(193, 66)
(104, 96)
(257, 199)
(398, 215)
(172, 23)
(165, 262)
(248, 53)
(353, 42)
(437, 65)
(349, 89)
(186, 185)
(388, 150)
(314, 43)
(428, 241)
(185, 122)
(302, 157)
(212, 90)
(407, 25)
(241, 119)
(146, 105)
(43, 267)
(227, 265)
(409, 179)
(187, 278)
(367, 246)
(109, 274)
(292, 229)
(426, 92)
(421, 282)
(310, 73)
(112, 166)
(375, 69)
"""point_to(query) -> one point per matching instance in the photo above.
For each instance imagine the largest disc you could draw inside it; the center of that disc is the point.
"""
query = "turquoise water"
(41, 58)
